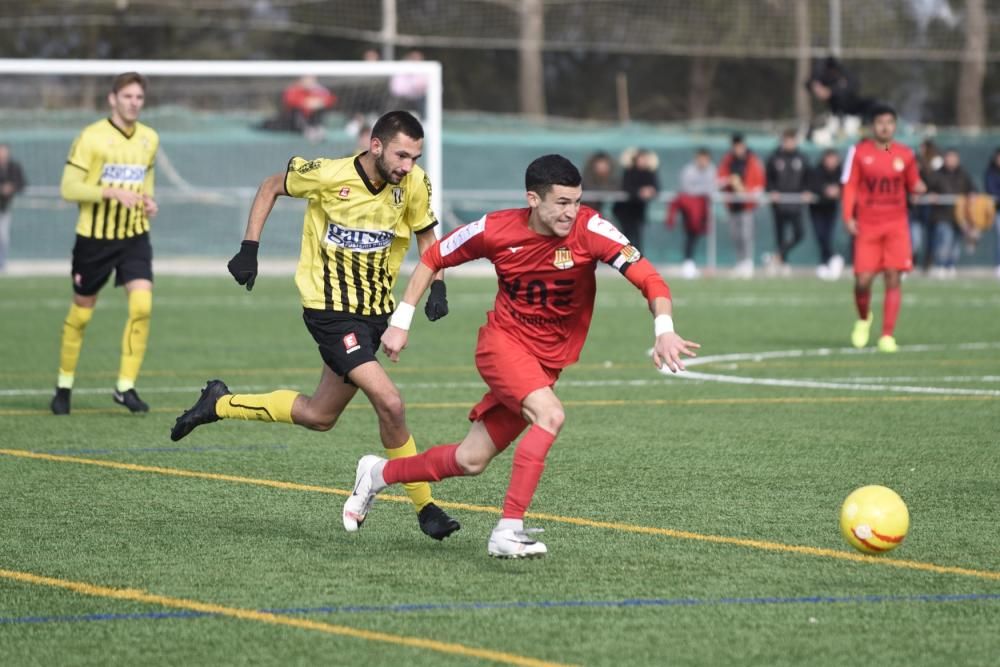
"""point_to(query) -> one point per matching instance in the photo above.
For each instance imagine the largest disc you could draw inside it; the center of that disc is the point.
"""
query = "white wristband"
(403, 316)
(662, 324)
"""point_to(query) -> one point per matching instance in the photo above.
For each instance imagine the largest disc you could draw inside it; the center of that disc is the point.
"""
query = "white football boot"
(362, 498)
(511, 543)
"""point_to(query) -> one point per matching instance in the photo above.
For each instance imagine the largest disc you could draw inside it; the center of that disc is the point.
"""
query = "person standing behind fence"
(786, 181)
(11, 183)
(693, 202)
(991, 185)
(109, 173)
(951, 179)
(598, 177)
(641, 185)
(921, 229)
(741, 173)
(823, 182)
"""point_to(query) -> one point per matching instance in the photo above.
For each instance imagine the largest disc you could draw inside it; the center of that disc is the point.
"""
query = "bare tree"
(969, 98)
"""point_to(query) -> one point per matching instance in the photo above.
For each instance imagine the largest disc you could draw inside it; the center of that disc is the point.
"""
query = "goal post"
(213, 150)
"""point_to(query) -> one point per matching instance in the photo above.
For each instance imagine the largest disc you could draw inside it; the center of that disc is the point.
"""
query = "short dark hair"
(738, 139)
(702, 150)
(790, 134)
(549, 170)
(880, 109)
(397, 122)
(127, 79)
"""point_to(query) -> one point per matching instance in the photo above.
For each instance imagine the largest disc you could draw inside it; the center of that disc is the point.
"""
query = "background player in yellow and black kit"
(361, 214)
(109, 172)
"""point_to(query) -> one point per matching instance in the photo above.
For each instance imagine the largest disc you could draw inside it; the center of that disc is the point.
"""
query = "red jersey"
(546, 284)
(877, 182)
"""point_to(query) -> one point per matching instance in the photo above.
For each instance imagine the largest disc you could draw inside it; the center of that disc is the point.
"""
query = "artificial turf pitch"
(689, 521)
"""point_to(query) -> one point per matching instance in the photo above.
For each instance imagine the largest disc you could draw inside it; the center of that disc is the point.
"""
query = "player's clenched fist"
(243, 265)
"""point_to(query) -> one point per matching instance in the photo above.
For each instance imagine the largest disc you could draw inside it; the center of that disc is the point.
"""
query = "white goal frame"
(277, 68)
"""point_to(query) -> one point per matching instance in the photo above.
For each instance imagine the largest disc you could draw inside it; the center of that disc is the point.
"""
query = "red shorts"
(511, 373)
(882, 247)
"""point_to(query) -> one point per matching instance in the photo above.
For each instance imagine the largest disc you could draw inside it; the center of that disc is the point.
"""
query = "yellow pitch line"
(621, 527)
(312, 370)
(596, 403)
(137, 595)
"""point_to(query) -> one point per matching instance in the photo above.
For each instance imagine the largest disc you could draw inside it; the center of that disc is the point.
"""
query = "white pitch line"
(826, 384)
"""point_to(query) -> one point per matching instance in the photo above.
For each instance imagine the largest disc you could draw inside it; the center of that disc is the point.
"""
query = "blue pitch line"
(193, 449)
(542, 604)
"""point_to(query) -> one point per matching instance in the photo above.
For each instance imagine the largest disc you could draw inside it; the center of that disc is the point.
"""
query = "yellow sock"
(273, 407)
(72, 340)
(135, 337)
(419, 492)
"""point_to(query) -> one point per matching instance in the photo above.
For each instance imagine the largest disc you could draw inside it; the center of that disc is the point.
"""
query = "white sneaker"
(823, 272)
(998, 270)
(362, 498)
(836, 265)
(510, 543)
(743, 269)
(689, 270)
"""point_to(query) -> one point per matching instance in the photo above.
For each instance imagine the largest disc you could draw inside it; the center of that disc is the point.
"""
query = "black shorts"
(345, 341)
(95, 259)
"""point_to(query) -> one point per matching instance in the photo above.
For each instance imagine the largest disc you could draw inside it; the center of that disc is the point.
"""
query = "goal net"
(222, 131)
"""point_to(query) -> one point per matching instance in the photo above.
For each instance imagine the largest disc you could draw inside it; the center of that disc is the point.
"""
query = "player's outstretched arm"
(243, 265)
(669, 346)
(395, 337)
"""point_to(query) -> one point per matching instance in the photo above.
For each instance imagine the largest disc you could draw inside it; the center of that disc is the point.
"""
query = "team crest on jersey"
(351, 343)
(898, 164)
(344, 192)
(397, 197)
(563, 258)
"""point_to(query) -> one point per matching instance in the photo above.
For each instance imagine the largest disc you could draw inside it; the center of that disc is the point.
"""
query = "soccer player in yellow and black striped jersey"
(109, 173)
(361, 213)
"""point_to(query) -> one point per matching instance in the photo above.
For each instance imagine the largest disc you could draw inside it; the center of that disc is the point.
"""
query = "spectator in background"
(831, 82)
(641, 185)
(598, 177)
(11, 183)
(991, 185)
(929, 160)
(409, 90)
(693, 202)
(786, 181)
(950, 179)
(741, 173)
(371, 54)
(304, 103)
(823, 182)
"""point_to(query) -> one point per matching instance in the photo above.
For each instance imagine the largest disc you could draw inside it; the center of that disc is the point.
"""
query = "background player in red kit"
(545, 258)
(878, 176)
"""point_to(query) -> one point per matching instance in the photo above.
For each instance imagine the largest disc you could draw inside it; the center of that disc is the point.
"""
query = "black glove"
(437, 302)
(243, 265)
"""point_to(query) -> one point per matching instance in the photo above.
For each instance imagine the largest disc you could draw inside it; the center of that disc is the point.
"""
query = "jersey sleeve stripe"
(461, 235)
(845, 173)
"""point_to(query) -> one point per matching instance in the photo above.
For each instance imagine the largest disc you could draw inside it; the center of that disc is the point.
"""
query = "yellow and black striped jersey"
(354, 236)
(110, 158)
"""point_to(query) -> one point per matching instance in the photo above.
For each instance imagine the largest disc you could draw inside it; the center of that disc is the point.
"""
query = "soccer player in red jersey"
(879, 174)
(545, 258)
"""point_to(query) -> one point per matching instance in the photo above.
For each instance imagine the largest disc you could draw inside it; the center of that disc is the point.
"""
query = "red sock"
(890, 309)
(529, 462)
(863, 300)
(431, 466)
